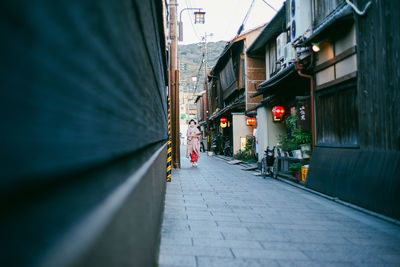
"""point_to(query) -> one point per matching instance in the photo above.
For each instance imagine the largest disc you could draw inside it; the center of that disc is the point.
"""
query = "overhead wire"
(270, 5)
(245, 18)
(198, 74)
(191, 21)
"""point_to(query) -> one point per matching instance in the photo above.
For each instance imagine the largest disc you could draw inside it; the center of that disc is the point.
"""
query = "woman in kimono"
(193, 143)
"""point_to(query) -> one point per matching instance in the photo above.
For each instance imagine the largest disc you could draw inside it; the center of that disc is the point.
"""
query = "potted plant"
(303, 139)
(295, 169)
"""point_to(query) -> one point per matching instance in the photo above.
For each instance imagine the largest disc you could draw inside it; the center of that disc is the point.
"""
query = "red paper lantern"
(223, 120)
(278, 113)
(251, 121)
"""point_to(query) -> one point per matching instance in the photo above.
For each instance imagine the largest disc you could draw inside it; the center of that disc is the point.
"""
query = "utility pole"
(206, 88)
(174, 84)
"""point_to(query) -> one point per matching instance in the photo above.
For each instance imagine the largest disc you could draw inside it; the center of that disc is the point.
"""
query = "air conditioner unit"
(289, 54)
(298, 18)
(280, 44)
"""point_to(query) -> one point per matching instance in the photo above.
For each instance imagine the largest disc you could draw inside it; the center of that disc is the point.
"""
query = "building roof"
(235, 42)
(274, 27)
(238, 103)
(223, 58)
(283, 74)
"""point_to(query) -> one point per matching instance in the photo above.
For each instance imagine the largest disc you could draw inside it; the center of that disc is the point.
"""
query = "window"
(337, 116)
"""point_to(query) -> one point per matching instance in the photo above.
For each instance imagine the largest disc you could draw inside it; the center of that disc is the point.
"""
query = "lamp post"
(199, 18)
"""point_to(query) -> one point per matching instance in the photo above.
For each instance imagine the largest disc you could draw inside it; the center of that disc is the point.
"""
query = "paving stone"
(289, 245)
(190, 234)
(219, 215)
(226, 243)
(177, 240)
(231, 262)
(270, 254)
(176, 260)
(309, 263)
(196, 251)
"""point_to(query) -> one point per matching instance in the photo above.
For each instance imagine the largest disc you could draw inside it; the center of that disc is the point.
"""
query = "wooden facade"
(357, 155)
(379, 76)
(84, 128)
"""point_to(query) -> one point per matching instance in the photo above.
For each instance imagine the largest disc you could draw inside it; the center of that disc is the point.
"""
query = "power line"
(198, 74)
(270, 5)
(191, 21)
(245, 19)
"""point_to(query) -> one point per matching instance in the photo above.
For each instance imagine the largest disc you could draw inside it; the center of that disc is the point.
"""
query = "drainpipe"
(299, 68)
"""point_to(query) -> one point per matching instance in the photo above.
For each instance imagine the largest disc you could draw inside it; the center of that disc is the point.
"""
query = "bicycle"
(275, 169)
(267, 163)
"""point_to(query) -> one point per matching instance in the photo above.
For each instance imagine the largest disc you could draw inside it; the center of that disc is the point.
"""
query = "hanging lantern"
(277, 113)
(199, 17)
(251, 121)
(223, 120)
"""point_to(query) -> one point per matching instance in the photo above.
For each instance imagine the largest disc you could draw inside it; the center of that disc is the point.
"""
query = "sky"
(223, 18)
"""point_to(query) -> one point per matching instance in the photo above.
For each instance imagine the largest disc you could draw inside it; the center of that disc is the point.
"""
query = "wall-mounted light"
(315, 47)
(277, 113)
(251, 121)
(223, 122)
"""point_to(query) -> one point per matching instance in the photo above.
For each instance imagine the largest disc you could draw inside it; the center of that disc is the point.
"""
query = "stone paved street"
(220, 215)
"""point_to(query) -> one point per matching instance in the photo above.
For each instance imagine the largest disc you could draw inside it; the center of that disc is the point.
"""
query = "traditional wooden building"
(283, 86)
(230, 84)
(357, 112)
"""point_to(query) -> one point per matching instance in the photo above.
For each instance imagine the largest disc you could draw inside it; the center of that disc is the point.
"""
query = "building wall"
(240, 129)
(262, 131)
(367, 175)
(255, 74)
(84, 115)
(275, 129)
(268, 132)
(378, 60)
(332, 49)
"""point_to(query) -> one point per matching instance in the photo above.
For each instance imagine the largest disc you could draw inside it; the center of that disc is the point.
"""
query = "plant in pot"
(295, 169)
(303, 138)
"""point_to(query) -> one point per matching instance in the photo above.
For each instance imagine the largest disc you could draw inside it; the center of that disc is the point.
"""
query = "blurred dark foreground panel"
(83, 130)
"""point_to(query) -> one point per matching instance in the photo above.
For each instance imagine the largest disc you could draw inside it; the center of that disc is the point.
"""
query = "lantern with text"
(223, 121)
(277, 113)
(251, 121)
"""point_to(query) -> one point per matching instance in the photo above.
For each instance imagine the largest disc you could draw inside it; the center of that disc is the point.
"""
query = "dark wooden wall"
(322, 8)
(81, 84)
(370, 175)
(337, 115)
(82, 109)
(378, 36)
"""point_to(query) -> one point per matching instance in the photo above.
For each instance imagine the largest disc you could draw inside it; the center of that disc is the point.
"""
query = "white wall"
(268, 132)
(240, 129)
(262, 131)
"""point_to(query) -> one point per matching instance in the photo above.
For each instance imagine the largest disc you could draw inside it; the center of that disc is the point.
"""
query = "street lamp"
(199, 18)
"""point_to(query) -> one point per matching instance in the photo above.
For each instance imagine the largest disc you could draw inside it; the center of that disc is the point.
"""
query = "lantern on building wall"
(251, 121)
(277, 113)
(224, 122)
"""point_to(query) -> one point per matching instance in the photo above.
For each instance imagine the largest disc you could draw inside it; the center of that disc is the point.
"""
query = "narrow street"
(220, 215)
